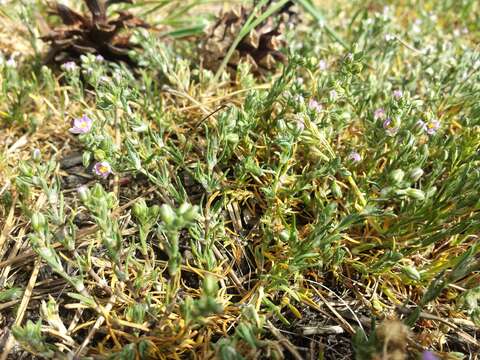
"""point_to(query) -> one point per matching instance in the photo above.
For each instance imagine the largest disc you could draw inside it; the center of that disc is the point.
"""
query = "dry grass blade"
(7, 226)
(22, 308)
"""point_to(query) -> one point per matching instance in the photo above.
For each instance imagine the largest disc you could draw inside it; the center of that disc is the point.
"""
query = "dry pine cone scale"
(260, 48)
(95, 33)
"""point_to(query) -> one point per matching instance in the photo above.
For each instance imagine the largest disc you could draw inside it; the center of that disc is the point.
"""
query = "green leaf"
(11, 294)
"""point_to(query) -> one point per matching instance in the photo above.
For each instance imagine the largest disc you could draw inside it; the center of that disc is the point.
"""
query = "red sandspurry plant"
(172, 212)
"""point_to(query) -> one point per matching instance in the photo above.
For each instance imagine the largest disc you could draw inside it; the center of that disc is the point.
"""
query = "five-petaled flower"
(315, 105)
(333, 95)
(397, 94)
(69, 66)
(81, 125)
(390, 127)
(102, 169)
(430, 127)
(355, 156)
(299, 98)
(322, 65)
(379, 113)
(11, 63)
(428, 355)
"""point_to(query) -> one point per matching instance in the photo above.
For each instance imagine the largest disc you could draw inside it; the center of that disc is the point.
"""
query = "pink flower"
(333, 95)
(355, 157)
(315, 105)
(11, 63)
(299, 124)
(69, 66)
(389, 127)
(387, 123)
(81, 125)
(36, 155)
(397, 94)
(428, 355)
(430, 127)
(102, 169)
(322, 65)
(379, 114)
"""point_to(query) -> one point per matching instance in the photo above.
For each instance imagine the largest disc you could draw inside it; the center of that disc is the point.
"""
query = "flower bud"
(306, 198)
(167, 214)
(191, 214)
(415, 194)
(82, 192)
(184, 208)
(86, 156)
(36, 156)
(25, 170)
(210, 286)
(336, 191)
(400, 192)
(52, 197)
(397, 176)
(281, 125)
(110, 200)
(284, 235)
(416, 174)
(412, 273)
(232, 138)
(140, 210)
(140, 128)
(99, 155)
(36, 180)
(38, 222)
(251, 166)
(182, 139)
(97, 191)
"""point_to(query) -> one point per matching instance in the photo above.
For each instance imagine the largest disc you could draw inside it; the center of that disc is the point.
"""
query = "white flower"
(322, 65)
(389, 37)
(333, 95)
(369, 21)
(299, 98)
(315, 105)
(104, 79)
(416, 28)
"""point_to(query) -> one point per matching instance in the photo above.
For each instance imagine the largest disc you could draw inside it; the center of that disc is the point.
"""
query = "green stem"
(319, 17)
(250, 24)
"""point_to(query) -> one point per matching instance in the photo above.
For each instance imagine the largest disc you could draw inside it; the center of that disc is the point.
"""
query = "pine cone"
(94, 34)
(261, 47)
